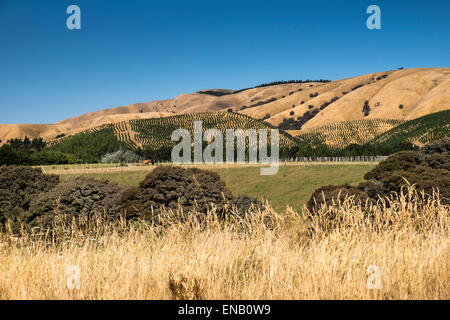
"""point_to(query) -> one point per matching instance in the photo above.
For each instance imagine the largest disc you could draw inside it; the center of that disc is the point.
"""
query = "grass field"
(292, 185)
(263, 256)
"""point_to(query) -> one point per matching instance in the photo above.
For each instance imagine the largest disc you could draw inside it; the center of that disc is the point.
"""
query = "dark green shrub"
(243, 203)
(18, 187)
(76, 198)
(428, 168)
(291, 124)
(357, 87)
(10, 157)
(441, 146)
(366, 108)
(10, 211)
(332, 194)
(51, 157)
(173, 187)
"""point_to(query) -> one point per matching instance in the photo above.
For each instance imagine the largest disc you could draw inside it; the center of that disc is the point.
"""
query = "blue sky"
(138, 51)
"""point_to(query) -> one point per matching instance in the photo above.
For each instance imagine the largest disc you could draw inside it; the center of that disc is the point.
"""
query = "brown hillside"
(420, 91)
(185, 103)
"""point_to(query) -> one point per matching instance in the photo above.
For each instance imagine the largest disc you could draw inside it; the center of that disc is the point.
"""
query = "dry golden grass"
(265, 255)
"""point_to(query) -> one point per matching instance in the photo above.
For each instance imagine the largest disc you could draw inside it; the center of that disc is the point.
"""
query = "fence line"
(124, 167)
(338, 159)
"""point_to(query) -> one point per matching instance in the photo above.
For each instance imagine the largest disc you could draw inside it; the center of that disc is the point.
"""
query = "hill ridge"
(419, 91)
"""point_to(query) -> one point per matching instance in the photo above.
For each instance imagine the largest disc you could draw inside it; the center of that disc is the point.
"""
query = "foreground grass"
(262, 256)
(292, 185)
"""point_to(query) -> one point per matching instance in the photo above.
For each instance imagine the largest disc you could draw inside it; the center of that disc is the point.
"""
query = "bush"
(357, 87)
(163, 153)
(169, 187)
(332, 194)
(243, 203)
(428, 168)
(291, 124)
(74, 199)
(18, 186)
(51, 157)
(10, 157)
(366, 108)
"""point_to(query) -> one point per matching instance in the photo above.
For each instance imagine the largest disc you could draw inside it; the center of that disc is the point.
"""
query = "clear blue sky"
(137, 51)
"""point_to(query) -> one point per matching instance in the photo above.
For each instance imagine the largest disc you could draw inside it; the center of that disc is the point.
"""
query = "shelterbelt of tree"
(295, 106)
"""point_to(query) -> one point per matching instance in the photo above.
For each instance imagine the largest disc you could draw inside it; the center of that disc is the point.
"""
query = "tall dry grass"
(264, 255)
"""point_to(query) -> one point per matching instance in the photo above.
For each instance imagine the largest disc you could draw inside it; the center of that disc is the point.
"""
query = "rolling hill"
(154, 133)
(342, 134)
(399, 95)
(418, 131)
(302, 107)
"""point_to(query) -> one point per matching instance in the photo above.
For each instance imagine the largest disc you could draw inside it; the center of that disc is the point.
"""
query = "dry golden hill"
(186, 103)
(70, 126)
(419, 91)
